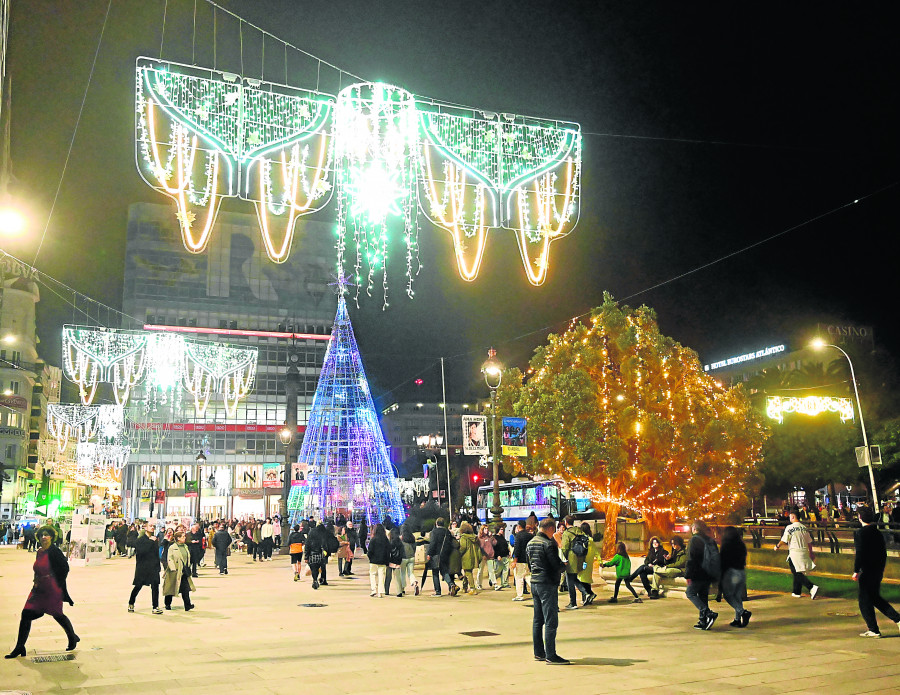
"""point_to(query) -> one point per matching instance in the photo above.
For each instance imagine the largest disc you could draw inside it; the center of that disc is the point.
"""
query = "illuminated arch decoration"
(204, 135)
(94, 460)
(94, 355)
(484, 170)
(229, 137)
(82, 423)
(224, 369)
(164, 362)
(777, 406)
(375, 155)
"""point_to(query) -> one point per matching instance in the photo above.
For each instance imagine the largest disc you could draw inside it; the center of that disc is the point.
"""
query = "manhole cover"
(843, 615)
(312, 605)
(479, 633)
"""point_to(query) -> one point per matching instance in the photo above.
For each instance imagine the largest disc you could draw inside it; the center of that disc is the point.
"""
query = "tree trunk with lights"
(629, 416)
(608, 548)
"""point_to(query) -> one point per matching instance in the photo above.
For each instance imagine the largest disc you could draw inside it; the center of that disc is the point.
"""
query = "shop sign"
(247, 492)
(248, 476)
(176, 479)
(17, 402)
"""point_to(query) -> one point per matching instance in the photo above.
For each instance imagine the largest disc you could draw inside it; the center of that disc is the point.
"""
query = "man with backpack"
(703, 568)
(574, 549)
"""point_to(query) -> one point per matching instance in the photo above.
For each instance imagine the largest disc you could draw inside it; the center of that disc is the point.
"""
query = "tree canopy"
(629, 415)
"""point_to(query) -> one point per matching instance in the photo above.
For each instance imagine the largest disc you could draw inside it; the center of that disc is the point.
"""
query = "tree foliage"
(629, 414)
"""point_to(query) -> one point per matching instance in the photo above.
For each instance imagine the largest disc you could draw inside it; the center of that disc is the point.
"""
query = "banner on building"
(299, 473)
(149, 477)
(514, 436)
(248, 476)
(177, 478)
(160, 497)
(272, 475)
(145, 495)
(474, 438)
(190, 488)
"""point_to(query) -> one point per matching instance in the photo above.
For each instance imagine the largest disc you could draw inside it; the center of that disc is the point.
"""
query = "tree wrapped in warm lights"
(629, 415)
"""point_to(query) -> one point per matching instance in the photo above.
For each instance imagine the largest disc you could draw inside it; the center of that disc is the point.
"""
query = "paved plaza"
(249, 634)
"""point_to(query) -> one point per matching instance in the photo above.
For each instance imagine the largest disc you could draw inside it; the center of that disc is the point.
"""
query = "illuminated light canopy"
(343, 446)
(84, 422)
(203, 135)
(777, 406)
(164, 361)
(375, 155)
(104, 460)
(484, 170)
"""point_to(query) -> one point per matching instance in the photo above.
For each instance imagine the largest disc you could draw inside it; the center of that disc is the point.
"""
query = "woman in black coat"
(395, 559)
(48, 593)
(146, 568)
(656, 557)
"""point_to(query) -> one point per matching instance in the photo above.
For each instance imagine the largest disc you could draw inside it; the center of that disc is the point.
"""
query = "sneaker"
(434, 595)
(589, 599)
(518, 598)
(323, 583)
(372, 595)
(540, 658)
(745, 618)
(296, 577)
(813, 592)
(131, 608)
(637, 600)
(869, 633)
(557, 661)
(654, 594)
(735, 623)
(497, 588)
(710, 619)
(572, 607)
(701, 625)
(315, 584)
(613, 600)
(454, 590)
(796, 595)
(157, 611)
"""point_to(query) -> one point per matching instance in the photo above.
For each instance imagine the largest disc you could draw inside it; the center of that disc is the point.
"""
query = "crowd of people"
(540, 558)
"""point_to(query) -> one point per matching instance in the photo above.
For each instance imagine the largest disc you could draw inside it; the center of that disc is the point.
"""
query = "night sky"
(708, 128)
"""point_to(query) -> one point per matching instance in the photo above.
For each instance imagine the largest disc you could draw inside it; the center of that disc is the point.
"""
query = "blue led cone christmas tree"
(343, 448)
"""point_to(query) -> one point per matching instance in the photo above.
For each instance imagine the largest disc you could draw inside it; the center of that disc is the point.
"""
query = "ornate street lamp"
(201, 459)
(493, 375)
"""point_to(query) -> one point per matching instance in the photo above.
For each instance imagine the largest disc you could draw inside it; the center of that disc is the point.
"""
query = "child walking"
(622, 563)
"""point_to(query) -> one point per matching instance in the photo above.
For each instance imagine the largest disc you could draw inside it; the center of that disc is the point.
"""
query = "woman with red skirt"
(49, 592)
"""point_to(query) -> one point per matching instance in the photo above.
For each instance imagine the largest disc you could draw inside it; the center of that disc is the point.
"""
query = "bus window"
(554, 500)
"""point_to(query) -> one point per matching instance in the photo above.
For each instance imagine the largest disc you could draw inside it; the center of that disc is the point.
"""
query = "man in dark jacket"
(437, 556)
(546, 568)
(121, 534)
(868, 571)
(699, 579)
(146, 567)
(222, 542)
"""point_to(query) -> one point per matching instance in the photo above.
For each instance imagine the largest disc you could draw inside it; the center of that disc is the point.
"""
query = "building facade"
(233, 294)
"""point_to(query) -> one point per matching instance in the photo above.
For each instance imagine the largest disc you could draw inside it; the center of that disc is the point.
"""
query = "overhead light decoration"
(483, 171)
(204, 135)
(106, 460)
(375, 147)
(777, 406)
(164, 361)
(82, 423)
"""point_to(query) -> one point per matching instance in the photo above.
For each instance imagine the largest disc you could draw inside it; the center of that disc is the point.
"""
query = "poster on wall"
(272, 475)
(514, 436)
(299, 473)
(248, 476)
(86, 545)
(474, 439)
(190, 488)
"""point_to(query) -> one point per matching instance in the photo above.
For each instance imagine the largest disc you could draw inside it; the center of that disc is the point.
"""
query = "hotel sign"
(738, 359)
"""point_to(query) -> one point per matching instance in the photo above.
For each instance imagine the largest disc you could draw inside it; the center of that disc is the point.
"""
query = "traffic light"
(475, 478)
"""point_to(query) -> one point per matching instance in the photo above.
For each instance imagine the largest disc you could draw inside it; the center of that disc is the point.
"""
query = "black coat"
(146, 565)
(60, 568)
(871, 555)
(379, 551)
(221, 542)
(440, 543)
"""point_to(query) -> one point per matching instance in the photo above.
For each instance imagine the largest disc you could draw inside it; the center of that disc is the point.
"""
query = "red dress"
(46, 596)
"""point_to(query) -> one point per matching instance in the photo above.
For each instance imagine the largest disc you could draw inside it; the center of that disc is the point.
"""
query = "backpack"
(579, 545)
(333, 543)
(712, 562)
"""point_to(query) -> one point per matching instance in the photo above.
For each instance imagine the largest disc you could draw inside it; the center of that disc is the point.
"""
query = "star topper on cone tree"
(628, 414)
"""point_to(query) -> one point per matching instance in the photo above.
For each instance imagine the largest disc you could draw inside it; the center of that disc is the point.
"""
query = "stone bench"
(667, 585)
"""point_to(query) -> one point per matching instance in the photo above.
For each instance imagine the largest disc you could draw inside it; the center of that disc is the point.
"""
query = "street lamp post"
(201, 459)
(431, 444)
(288, 437)
(818, 344)
(493, 375)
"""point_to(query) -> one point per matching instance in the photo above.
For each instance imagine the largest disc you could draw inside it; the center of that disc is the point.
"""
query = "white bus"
(543, 497)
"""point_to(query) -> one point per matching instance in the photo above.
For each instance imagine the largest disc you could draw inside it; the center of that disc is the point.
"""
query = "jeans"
(376, 578)
(698, 594)
(406, 573)
(522, 575)
(485, 563)
(870, 599)
(643, 571)
(501, 570)
(154, 595)
(546, 619)
(800, 579)
(734, 586)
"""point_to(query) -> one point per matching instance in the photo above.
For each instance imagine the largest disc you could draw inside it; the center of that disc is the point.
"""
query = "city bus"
(543, 497)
